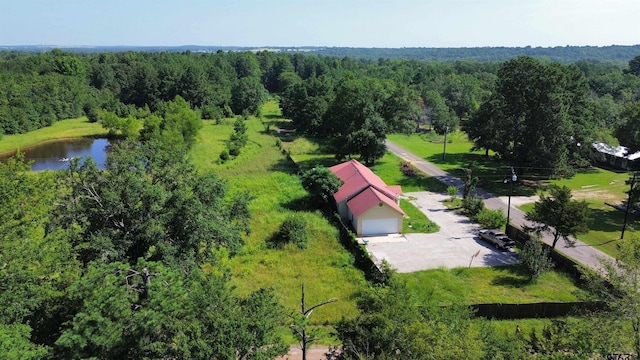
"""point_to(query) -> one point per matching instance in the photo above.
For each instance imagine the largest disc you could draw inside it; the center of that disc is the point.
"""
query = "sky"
(339, 23)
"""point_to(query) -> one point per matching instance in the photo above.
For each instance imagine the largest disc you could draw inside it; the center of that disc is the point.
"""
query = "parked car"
(496, 238)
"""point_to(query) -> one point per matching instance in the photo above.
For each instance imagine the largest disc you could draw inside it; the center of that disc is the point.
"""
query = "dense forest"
(128, 262)
(353, 101)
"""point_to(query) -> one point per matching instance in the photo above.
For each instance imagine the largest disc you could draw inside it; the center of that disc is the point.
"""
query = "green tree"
(148, 310)
(321, 184)
(559, 215)
(634, 66)
(247, 95)
(150, 202)
(538, 111)
(127, 127)
(392, 325)
(629, 133)
(38, 263)
(177, 124)
(368, 141)
(535, 259)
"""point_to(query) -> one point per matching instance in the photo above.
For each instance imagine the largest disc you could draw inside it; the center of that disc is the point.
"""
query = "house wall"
(343, 210)
(378, 212)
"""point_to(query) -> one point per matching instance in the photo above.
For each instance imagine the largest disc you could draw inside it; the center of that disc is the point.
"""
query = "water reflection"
(54, 155)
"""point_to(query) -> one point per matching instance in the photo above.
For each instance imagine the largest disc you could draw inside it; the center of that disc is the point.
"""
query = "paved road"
(582, 252)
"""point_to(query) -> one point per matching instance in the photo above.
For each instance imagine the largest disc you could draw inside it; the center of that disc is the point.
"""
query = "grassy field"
(326, 268)
(71, 128)
(596, 186)
(261, 169)
(504, 284)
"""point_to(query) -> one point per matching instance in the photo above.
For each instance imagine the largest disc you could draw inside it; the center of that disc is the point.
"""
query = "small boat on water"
(64, 159)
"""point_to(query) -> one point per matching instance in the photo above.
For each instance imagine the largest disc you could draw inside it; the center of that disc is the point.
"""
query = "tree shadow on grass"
(303, 203)
(609, 220)
(514, 276)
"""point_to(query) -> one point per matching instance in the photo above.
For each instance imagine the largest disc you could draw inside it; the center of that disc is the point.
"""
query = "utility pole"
(511, 180)
(632, 183)
(444, 151)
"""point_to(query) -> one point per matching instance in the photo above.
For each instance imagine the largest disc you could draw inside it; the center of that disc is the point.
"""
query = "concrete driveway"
(453, 246)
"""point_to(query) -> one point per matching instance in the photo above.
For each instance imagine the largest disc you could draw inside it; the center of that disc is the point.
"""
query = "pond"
(55, 155)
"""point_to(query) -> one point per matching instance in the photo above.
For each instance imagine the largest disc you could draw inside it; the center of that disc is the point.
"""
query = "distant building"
(617, 157)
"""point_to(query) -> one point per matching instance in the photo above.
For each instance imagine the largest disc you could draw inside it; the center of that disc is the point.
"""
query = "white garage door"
(379, 226)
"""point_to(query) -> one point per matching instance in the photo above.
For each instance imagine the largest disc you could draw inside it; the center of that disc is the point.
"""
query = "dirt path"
(317, 352)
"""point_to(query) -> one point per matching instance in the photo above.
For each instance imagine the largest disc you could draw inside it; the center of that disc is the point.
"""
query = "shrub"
(408, 169)
(535, 258)
(452, 191)
(234, 149)
(293, 230)
(212, 112)
(491, 219)
(473, 205)
(224, 156)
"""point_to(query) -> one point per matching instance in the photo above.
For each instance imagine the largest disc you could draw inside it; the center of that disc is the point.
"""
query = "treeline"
(563, 54)
(355, 102)
(618, 54)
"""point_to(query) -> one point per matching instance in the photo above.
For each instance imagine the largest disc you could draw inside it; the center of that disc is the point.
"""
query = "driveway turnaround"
(455, 245)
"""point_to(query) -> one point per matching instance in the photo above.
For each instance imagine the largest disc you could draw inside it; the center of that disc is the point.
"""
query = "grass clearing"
(503, 284)
(325, 266)
(63, 129)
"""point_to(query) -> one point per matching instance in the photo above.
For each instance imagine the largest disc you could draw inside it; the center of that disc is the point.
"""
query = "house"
(617, 157)
(364, 200)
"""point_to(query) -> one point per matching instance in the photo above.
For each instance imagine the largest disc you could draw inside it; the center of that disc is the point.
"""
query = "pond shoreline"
(11, 153)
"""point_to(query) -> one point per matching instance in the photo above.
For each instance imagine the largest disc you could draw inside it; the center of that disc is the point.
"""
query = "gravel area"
(455, 245)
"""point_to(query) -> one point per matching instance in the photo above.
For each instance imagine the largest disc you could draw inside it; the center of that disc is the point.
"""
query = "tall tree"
(541, 107)
(177, 124)
(147, 310)
(560, 215)
(247, 96)
(629, 132)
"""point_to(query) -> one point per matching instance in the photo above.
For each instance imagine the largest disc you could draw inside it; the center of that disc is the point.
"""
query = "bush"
(491, 219)
(234, 149)
(211, 112)
(535, 258)
(293, 230)
(224, 156)
(452, 191)
(408, 169)
(473, 205)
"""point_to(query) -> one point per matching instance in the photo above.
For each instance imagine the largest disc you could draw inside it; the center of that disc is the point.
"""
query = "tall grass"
(264, 171)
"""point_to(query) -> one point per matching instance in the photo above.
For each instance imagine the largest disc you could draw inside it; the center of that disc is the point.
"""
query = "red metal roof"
(357, 177)
(369, 198)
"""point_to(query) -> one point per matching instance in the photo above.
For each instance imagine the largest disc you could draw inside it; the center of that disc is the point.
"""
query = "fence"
(535, 310)
(561, 262)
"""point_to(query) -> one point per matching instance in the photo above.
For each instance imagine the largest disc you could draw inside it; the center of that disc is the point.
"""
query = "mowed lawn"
(597, 186)
(503, 284)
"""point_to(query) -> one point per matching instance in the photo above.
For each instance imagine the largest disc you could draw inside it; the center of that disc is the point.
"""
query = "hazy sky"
(351, 23)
